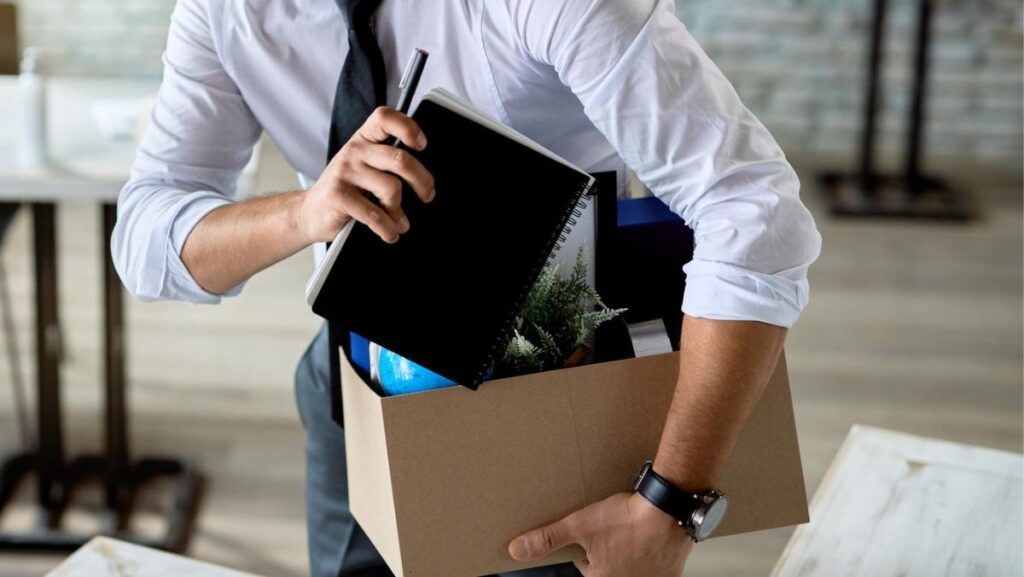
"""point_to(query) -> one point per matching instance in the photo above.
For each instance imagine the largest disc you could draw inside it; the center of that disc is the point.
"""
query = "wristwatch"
(698, 513)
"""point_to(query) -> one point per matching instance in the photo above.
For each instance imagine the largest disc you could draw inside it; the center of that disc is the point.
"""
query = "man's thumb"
(540, 542)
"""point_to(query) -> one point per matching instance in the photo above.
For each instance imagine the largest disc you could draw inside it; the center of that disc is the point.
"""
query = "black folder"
(446, 294)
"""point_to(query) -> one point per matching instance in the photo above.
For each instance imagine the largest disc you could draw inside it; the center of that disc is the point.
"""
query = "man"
(603, 83)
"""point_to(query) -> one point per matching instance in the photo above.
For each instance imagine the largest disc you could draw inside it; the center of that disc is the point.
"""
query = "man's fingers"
(387, 189)
(386, 122)
(402, 164)
(363, 210)
(540, 542)
(365, 166)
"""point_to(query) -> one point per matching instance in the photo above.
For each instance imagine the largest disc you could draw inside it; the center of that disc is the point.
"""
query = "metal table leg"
(57, 478)
(116, 432)
(910, 194)
(867, 144)
(50, 449)
(122, 477)
(47, 460)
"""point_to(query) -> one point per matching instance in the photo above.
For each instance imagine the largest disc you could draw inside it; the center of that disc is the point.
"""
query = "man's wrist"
(653, 516)
(692, 480)
(698, 514)
(295, 213)
(656, 524)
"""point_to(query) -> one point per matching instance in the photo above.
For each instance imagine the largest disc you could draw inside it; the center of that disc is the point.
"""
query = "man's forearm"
(364, 181)
(236, 241)
(723, 370)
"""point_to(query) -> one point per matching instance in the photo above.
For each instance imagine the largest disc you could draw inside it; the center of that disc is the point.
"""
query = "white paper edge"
(316, 282)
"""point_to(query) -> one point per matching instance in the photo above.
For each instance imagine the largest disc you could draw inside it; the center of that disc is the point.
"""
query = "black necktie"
(362, 87)
(362, 84)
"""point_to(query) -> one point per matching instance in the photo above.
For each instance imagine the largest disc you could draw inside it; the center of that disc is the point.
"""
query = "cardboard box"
(442, 481)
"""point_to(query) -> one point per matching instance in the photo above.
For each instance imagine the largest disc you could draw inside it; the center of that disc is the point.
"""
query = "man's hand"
(623, 536)
(366, 166)
(235, 241)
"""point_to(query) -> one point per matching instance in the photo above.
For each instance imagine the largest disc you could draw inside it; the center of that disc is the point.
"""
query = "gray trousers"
(337, 545)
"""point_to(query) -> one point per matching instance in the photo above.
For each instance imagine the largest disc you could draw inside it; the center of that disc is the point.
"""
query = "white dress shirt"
(603, 83)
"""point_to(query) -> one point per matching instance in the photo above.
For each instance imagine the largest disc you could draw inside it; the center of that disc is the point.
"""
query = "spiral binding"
(572, 215)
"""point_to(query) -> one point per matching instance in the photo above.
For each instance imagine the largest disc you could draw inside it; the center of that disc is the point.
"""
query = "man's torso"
(285, 57)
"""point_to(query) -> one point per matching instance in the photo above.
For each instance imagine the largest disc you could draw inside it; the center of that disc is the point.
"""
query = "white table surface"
(86, 165)
(897, 505)
(105, 557)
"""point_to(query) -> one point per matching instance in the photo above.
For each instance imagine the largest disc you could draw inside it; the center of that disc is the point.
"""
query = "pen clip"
(410, 80)
(410, 68)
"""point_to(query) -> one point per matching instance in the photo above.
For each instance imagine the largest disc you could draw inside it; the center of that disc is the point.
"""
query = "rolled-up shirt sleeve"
(677, 122)
(200, 136)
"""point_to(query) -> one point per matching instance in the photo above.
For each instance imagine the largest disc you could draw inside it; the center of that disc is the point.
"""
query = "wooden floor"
(915, 327)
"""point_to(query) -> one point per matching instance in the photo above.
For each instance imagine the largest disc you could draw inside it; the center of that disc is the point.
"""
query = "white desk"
(898, 505)
(103, 557)
(86, 166)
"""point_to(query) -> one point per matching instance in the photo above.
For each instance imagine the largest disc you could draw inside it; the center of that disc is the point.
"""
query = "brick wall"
(799, 64)
(97, 37)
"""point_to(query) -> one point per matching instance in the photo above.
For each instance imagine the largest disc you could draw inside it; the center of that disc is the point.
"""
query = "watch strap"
(677, 503)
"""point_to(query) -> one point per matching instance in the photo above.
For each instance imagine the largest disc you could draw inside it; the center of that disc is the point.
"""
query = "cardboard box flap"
(369, 481)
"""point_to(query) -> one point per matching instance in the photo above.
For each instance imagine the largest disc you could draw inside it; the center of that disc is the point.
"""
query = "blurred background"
(915, 323)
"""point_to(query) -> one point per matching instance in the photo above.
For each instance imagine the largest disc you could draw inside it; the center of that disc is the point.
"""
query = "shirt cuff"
(178, 280)
(727, 292)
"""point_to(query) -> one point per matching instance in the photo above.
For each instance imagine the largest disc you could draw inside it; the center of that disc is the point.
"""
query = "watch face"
(712, 518)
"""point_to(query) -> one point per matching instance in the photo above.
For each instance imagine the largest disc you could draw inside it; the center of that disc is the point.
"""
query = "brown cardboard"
(442, 481)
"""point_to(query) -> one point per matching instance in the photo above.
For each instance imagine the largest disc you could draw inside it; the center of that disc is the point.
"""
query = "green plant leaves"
(559, 316)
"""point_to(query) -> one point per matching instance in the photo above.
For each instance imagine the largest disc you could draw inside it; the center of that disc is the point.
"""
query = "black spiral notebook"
(446, 294)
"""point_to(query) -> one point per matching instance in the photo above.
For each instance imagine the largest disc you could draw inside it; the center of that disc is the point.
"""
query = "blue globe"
(398, 375)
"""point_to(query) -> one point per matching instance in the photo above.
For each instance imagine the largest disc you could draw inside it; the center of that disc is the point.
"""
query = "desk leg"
(867, 143)
(57, 478)
(118, 477)
(917, 111)
(911, 194)
(50, 450)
